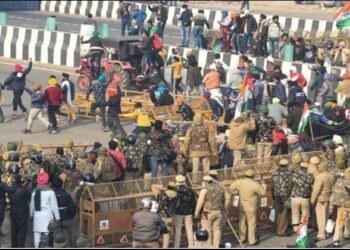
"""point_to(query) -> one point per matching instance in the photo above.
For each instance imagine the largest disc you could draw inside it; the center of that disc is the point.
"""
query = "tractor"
(121, 63)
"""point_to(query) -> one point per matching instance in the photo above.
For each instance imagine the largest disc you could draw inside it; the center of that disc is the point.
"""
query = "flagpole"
(312, 134)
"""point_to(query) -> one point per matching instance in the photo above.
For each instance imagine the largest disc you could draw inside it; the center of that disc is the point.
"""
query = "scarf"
(37, 197)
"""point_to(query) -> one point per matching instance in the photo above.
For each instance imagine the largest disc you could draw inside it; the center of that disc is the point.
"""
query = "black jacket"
(165, 99)
(94, 42)
(162, 13)
(3, 190)
(19, 202)
(296, 97)
(114, 104)
(185, 18)
(17, 80)
(299, 52)
(252, 24)
(146, 46)
(65, 204)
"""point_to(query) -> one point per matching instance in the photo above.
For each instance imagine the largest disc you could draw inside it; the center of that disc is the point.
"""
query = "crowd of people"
(258, 113)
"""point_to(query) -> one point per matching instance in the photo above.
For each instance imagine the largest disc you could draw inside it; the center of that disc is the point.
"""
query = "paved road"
(71, 24)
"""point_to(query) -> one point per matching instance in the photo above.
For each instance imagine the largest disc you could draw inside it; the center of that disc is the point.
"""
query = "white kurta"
(49, 211)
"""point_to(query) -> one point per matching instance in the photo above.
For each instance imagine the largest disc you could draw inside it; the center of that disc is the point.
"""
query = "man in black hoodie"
(165, 99)
(16, 82)
(66, 208)
(19, 203)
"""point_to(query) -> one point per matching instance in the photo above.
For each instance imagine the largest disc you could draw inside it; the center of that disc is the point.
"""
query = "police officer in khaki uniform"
(200, 143)
(295, 165)
(340, 203)
(320, 198)
(300, 186)
(280, 194)
(211, 200)
(166, 203)
(69, 150)
(225, 185)
(83, 165)
(250, 193)
(313, 166)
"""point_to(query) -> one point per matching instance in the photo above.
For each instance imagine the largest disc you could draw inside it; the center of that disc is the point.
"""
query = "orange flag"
(342, 10)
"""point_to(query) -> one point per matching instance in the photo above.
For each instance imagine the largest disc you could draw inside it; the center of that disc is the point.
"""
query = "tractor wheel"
(84, 82)
(123, 75)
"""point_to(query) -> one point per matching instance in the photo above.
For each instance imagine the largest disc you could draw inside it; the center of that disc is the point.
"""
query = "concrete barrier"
(108, 9)
(42, 46)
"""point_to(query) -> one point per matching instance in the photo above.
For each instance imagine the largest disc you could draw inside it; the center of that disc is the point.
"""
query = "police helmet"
(37, 157)
(131, 139)
(13, 168)
(88, 177)
(13, 156)
(146, 202)
(202, 235)
(70, 164)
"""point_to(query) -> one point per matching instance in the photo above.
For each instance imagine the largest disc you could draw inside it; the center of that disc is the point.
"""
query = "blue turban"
(161, 90)
(95, 33)
(101, 78)
(224, 13)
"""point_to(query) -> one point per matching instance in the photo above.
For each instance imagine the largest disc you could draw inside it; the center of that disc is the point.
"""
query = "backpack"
(72, 90)
(108, 170)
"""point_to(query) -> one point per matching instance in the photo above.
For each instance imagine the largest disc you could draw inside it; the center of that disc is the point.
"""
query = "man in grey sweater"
(277, 111)
(147, 227)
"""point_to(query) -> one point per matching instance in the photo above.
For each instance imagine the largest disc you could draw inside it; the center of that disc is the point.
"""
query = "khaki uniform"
(201, 245)
(238, 136)
(312, 169)
(320, 198)
(249, 196)
(71, 153)
(211, 200)
(201, 144)
(340, 200)
(85, 167)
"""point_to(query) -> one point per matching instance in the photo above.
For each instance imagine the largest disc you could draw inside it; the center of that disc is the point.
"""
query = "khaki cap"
(180, 178)
(284, 162)
(296, 159)
(213, 172)
(208, 178)
(171, 194)
(249, 173)
(303, 165)
(315, 160)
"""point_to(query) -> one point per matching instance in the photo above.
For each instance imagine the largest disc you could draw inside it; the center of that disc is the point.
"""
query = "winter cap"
(224, 13)
(101, 79)
(249, 173)
(65, 75)
(293, 69)
(42, 179)
(52, 82)
(18, 68)
(95, 33)
(275, 100)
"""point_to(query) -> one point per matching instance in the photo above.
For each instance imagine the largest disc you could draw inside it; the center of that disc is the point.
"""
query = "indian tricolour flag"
(342, 17)
(303, 237)
(304, 119)
(242, 99)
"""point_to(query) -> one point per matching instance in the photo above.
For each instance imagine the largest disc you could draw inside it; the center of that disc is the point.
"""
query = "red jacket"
(54, 96)
(121, 159)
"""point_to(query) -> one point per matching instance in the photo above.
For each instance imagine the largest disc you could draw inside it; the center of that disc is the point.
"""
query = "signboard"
(104, 224)
(124, 240)
(100, 240)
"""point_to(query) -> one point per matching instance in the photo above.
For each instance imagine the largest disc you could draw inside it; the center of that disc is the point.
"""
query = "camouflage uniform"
(59, 163)
(29, 172)
(84, 167)
(340, 204)
(280, 194)
(71, 179)
(133, 154)
(104, 169)
(301, 183)
(71, 153)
